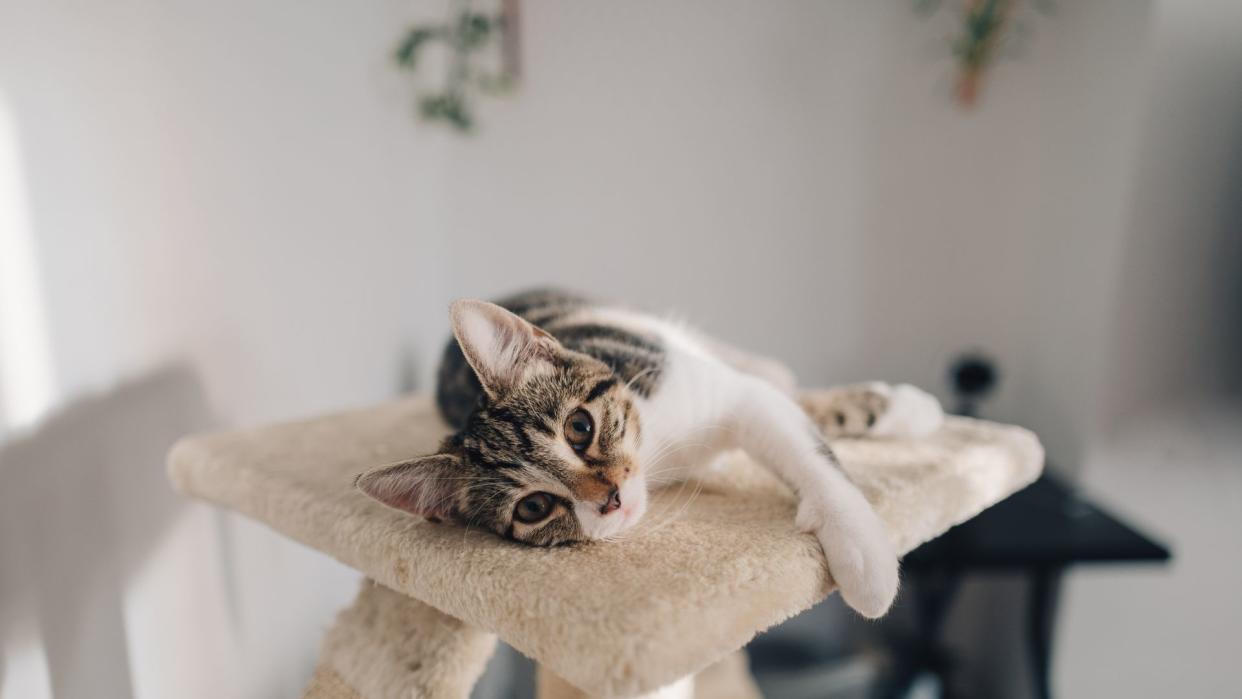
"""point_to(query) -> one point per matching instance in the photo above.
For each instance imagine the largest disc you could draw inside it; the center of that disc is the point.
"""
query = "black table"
(1039, 531)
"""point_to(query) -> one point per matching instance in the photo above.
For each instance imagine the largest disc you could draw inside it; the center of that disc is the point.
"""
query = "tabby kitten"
(563, 409)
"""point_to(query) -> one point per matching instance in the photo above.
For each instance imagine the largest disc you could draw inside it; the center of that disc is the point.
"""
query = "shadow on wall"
(83, 501)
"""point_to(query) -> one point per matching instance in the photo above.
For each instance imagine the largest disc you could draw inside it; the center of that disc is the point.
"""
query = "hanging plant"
(472, 39)
(986, 27)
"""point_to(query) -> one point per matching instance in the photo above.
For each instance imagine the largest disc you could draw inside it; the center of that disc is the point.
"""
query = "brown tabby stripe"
(635, 359)
(631, 356)
(600, 389)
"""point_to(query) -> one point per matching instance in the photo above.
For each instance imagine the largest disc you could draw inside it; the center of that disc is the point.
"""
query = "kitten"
(562, 409)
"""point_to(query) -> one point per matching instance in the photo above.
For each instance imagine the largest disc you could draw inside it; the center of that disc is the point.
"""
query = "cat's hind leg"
(870, 409)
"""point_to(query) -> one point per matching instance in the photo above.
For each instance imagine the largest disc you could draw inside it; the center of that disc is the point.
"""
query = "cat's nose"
(612, 504)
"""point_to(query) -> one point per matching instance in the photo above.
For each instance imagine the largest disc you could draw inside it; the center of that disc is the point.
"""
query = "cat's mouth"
(629, 514)
(633, 500)
(632, 505)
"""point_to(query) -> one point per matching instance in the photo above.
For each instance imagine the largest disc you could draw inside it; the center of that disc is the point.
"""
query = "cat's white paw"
(911, 412)
(860, 557)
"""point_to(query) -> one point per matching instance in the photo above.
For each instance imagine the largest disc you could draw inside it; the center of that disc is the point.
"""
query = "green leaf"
(473, 30)
(407, 50)
(448, 107)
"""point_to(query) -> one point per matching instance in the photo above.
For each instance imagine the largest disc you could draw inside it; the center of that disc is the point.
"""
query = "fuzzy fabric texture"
(389, 645)
(727, 678)
(713, 562)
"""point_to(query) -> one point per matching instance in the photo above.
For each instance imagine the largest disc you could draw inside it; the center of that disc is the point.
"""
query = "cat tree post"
(386, 644)
(616, 619)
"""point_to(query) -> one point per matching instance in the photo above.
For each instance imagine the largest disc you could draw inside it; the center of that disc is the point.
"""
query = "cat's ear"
(502, 348)
(427, 486)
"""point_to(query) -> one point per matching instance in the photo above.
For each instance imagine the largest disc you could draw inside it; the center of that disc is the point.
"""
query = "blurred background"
(220, 213)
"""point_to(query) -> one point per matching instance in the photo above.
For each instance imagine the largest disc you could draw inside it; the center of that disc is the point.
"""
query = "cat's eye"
(579, 429)
(534, 508)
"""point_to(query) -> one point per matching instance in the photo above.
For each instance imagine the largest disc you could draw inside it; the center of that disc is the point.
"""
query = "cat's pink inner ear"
(427, 486)
(500, 346)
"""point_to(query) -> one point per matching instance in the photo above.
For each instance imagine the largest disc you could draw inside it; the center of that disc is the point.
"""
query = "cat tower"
(713, 563)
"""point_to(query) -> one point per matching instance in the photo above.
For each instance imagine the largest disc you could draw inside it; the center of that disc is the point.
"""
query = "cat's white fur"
(681, 689)
(703, 406)
(911, 412)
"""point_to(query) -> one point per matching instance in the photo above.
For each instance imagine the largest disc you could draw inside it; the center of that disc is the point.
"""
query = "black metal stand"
(1039, 533)
(1045, 585)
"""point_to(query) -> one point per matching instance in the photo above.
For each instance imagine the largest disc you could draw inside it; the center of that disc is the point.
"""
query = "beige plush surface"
(712, 564)
(727, 678)
(327, 683)
(389, 645)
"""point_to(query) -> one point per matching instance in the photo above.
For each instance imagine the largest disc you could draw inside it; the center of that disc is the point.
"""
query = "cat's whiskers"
(673, 471)
(679, 441)
(666, 517)
(644, 525)
(674, 445)
(665, 508)
(661, 519)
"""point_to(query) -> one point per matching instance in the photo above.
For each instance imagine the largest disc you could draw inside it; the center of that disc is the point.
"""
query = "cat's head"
(550, 457)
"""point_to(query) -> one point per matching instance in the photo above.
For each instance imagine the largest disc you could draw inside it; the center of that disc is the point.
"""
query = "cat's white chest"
(685, 421)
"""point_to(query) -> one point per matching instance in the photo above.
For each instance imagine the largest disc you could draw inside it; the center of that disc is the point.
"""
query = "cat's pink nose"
(613, 503)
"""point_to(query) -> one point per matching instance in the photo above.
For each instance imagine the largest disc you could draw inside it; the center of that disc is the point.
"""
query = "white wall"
(690, 156)
(1170, 459)
(1177, 331)
(795, 176)
(241, 188)
(244, 189)
(1162, 630)
(222, 182)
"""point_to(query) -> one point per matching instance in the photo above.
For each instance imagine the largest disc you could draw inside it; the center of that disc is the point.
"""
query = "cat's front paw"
(861, 559)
